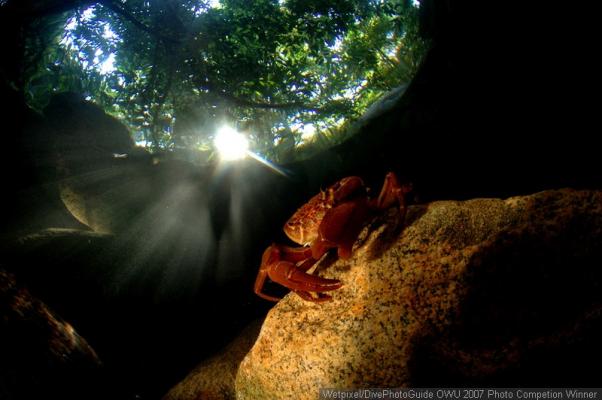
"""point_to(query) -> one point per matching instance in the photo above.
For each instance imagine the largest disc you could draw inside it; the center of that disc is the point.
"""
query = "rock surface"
(214, 378)
(484, 291)
(41, 356)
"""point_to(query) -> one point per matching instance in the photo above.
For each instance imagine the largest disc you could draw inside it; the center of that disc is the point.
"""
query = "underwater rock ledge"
(484, 291)
(41, 355)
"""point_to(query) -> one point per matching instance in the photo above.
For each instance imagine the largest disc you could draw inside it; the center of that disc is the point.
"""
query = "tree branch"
(386, 58)
(128, 16)
(274, 106)
(255, 104)
(20, 9)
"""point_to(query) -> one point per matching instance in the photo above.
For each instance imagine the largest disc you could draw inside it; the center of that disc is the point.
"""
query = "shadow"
(387, 229)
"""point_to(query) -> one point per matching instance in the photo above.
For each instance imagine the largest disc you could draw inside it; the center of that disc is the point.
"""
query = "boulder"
(41, 355)
(214, 378)
(484, 291)
(144, 316)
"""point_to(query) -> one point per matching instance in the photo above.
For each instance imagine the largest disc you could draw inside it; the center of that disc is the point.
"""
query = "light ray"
(268, 164)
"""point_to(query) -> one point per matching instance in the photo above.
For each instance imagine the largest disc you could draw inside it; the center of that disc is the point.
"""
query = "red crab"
(331, 219)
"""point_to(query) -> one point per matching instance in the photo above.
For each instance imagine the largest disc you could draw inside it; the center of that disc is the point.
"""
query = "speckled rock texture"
(214, 378)
(485, 291)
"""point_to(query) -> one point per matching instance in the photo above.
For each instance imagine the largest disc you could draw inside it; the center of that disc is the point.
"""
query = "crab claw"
(340, 228)
(288, 275)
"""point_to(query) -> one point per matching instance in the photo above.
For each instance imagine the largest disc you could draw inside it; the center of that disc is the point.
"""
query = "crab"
(332, 219)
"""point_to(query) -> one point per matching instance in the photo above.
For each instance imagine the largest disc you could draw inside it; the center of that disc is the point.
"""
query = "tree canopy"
(287, 73)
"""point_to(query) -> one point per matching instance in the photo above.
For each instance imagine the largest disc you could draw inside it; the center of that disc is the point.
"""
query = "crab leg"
(392, 192)
(293, 254)
(321, 297)
(259, 281)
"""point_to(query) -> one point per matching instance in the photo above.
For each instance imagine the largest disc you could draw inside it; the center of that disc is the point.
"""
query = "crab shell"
(303, 226)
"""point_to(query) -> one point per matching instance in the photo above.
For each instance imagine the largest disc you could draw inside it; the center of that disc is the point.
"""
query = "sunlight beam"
(231, 144)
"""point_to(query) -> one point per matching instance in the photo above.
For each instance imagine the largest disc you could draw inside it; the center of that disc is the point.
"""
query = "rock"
(103, 178)
(214, 378)
(485, 291)
(84, 132)
(113, 198)
(41, 356)
(149, 321)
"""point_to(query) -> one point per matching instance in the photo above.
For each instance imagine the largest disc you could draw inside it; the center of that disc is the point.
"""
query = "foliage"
(174, 70)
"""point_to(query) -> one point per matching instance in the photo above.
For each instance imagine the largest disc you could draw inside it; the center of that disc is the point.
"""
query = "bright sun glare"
(231, 144)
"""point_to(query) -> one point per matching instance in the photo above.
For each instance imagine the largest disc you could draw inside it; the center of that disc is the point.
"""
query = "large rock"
(41, 355)
(214, 378)
(148, 320)
(484, 291)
